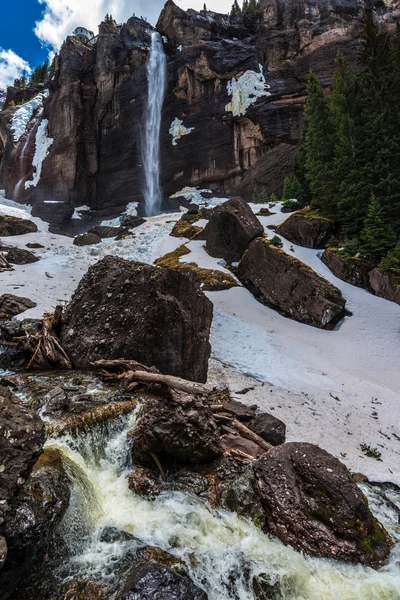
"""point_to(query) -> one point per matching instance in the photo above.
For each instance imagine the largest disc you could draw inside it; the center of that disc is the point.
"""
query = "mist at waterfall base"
(156, 77)
(222, 552)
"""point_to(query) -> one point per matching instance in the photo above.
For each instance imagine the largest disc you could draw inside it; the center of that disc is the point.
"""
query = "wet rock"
(87, 239)
(386, 285)
(15, 226)
(269, 428)
(288, 285)
(89, 590)
(13, 357)
(124, 309)
(189, 482)
(349, 268)
(312, 503)
(143, 483)
(55, 402)
(265, 589)
(110, 535)
(242, 498)
(3, 550)
(95, 415)
(307, 228)
(156, 582)
(176, 425)
(19, 256)
(230, 229)
(11, 305)
(232, 441)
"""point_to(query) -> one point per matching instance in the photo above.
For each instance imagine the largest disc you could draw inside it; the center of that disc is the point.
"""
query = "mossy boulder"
(15, 226)
(286, 284)
(212, 280)
(87, 239)
(186, 227)
(307, 228)
(312, 503)
(349, 268)
(19, 256)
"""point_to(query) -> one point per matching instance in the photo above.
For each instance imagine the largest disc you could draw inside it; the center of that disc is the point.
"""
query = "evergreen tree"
(319, 146)
(245, 6)
(205, 7)
(391, 262)
(235, 11)
(376, 238)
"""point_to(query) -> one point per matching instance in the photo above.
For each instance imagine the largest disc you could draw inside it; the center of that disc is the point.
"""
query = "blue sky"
(30, 30)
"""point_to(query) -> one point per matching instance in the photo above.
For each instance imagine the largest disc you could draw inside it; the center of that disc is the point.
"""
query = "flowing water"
(21, 161)
(222, 552)
(156, 77)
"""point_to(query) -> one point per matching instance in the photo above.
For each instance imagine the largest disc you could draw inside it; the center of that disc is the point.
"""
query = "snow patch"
(194, 195)
(43, 143)
(130, 211)
(78, 210)
(23, 115)
(180, 48)
(245, 91)
(178, 130)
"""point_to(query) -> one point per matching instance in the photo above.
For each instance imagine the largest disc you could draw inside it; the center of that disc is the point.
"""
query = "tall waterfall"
(156, 76)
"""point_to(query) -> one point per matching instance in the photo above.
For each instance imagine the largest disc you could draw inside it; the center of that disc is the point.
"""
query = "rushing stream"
(222, 552)
(156, 77)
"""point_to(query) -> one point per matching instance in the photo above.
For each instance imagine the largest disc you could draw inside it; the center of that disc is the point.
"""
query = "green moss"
(185, 229)
(310, 213)
(211, 279)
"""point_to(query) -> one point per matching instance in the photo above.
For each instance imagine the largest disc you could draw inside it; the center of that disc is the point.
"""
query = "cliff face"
(232, 114)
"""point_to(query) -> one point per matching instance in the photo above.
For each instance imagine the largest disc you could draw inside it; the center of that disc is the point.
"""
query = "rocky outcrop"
(289, 286)
(11, 305)
(123, 309)
(312, 503)
(230, 229)
(176, 425)
(385, 284)
(349, 268)
(87, 239)
(269, 428)
(307, 228)
(149, 581)
(19, 256)
(15, 226)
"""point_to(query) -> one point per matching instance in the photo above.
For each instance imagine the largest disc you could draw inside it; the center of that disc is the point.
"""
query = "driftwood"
(122, 363)
(244, 431)
(4, 264)
(137, 373)
(45, 348)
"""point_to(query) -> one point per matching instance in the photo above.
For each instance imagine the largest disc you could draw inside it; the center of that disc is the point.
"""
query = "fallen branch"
(121, 363)
(244, 431)
(47, 350)
(159, 465)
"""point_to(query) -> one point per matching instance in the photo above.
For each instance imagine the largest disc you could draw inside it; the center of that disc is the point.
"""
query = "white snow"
(180, 48)
(245, 91)
(195, 195)
(43, 143)
(338, 389)
(130, 210)
(178, 130)
(23, 115)
(78, 210)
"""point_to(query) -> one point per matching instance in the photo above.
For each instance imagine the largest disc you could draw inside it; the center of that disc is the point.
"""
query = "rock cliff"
(232, 114)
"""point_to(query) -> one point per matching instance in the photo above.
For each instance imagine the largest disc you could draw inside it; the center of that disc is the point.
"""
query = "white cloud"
(12, 67)
(62, 16)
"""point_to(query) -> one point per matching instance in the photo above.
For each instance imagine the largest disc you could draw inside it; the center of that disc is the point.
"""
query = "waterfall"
(156, 77)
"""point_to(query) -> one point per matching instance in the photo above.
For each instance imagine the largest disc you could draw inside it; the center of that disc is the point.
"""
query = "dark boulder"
(124, 309)
(349, 268)
(186, 227)
(104, 232)
(15, 226)
(307, 228)
(242, 498)
(385, 284)
(288, 285)
(34, 245)
(87, 239)
(269, 428)
(132, 221)
(11, 305)
(19, 256)
(176, 425)
(143, 482)
(312, 503)
(152, 581)
(230, 229)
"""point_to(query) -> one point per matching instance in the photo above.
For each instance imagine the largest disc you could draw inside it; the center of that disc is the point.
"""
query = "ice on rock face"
(23, 115)
(43, 143)
(245, 91)
(178, 130)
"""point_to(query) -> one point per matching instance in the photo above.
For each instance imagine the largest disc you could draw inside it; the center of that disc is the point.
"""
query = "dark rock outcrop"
(106, 232)
(11, 305)
(87, 239)
(386, 285)
(230, 229)
(312, 503)
(16, 226)
(152, 581)
(176, 425)
(269, 428)
(19, 256)
(307, 228)
(349, 268)
(243, 498)
(288, 285)
(123, 309)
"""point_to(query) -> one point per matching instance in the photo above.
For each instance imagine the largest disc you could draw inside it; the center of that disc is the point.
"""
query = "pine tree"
(235, 11)
(391, 262)
(319, 146)
(376, 238)
(245, 6)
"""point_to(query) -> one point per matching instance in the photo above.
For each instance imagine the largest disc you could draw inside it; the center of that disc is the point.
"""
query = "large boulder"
(349, 268)
(152, 581)
(230, 229)
(124, 309)
(269, 428)
(176, 425)
(15, 226)
(87, 239)
(20, 256)
(11, 305)
(307, 228)
(386, 285)
(288, 285)
(312, 503)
